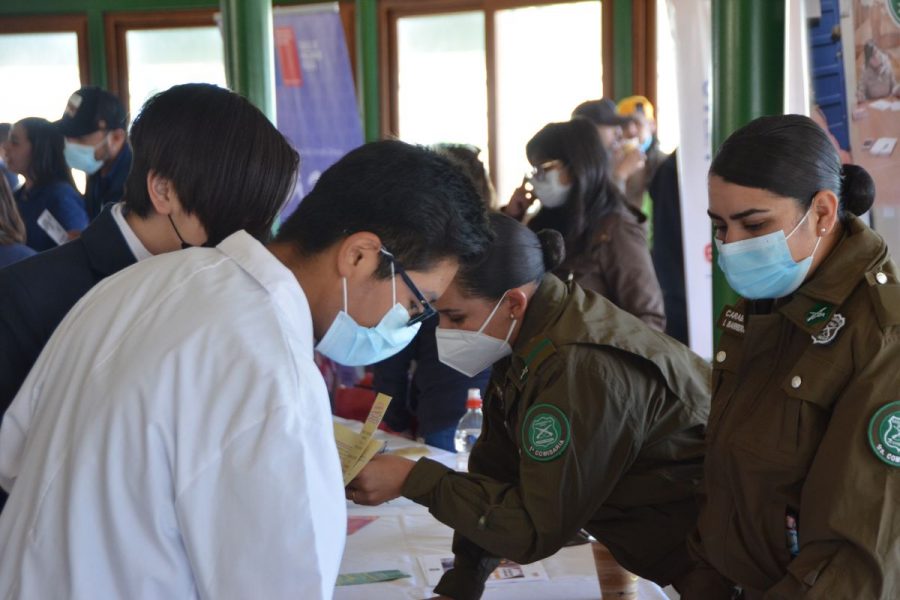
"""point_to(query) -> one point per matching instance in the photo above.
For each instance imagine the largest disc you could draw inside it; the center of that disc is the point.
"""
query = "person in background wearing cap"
(640, 132)
(626, 159)
(96, 142)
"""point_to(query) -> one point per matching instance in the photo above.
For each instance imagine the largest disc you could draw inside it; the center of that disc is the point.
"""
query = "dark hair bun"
(553, 248)
(857, 190)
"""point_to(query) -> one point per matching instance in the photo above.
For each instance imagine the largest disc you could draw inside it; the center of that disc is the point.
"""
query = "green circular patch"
(884, 433)
(894, 9)
(545, 432)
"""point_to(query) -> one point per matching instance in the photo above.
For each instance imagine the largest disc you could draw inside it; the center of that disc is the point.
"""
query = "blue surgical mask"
(81, 157)
(350, 344)
(645, 145)
(762, 267)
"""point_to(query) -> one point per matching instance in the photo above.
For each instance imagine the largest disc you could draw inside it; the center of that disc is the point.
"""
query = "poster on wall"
(314, 91)
(874, 96)
(691, 24)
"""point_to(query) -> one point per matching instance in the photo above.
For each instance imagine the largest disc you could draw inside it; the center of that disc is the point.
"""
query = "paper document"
(434, 566)
(51, 227)
(357, 449)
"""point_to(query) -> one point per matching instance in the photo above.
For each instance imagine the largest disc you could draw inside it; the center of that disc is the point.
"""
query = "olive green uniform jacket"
(595, 422)
(796, 391)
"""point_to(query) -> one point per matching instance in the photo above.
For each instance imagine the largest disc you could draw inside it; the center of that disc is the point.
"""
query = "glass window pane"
(161, 58)
(548, 61)
(666, 81)
(40, 71)
(442, 79)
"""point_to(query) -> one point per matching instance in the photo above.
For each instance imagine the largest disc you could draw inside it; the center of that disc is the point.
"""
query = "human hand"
(519, 202)
(380, 480)
(628, 160)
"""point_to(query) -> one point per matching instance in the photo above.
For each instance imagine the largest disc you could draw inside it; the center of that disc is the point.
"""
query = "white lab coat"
(174, 440)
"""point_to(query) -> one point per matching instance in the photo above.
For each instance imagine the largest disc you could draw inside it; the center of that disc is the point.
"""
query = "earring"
(824, 229)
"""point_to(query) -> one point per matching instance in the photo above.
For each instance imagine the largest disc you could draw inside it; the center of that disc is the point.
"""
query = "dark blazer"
(36, 293)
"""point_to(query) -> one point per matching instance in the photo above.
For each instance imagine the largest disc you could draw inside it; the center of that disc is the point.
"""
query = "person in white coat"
(174, 438)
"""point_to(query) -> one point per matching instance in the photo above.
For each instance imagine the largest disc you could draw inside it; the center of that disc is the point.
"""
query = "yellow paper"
(357, 449)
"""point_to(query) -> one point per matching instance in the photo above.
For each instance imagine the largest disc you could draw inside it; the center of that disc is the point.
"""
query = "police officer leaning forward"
(801, 477)
(595, 421)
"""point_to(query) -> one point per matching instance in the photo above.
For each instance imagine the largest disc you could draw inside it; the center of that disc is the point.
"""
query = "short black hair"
(791, 156)
(47, 161)
(422, 207)
(227, 162)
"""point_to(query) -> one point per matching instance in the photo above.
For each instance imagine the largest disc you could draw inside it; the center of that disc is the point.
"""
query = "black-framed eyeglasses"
(428, 310)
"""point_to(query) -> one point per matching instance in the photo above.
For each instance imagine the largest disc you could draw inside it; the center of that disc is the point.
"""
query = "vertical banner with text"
(316, 99)
(691, 22)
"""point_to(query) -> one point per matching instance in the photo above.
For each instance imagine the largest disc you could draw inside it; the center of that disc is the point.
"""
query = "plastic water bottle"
(469, 427)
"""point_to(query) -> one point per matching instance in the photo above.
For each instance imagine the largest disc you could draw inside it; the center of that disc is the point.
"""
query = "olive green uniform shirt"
(595, 422)
(796, 390)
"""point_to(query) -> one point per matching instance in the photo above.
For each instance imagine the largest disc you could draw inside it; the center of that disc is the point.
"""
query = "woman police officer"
(592, 420)
(801, 473)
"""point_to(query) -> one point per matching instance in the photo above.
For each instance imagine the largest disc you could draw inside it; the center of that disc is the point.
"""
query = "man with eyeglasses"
(94, 125)
(176, 432)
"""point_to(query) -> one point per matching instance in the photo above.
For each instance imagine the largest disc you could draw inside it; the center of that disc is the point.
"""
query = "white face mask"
(471, 352)
(549, 190)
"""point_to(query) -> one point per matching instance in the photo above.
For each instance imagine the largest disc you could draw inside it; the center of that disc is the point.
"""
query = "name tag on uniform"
(732, 320)
(51, 227)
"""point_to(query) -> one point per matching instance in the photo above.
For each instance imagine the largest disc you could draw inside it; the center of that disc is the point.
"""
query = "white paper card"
(51, 227)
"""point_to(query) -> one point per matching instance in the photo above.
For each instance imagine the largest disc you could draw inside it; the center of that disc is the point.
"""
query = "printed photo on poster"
(875, 116)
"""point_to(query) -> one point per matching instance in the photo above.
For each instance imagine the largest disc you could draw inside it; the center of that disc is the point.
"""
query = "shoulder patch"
(545, 432)
(819, 313)
(884, 433)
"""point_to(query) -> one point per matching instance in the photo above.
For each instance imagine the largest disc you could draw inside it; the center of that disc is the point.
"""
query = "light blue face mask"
(645, 145)
(81, 157)
(348, 343)
(762, 267)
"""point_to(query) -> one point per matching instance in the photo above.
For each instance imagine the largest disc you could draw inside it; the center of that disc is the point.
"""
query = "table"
(404, 531)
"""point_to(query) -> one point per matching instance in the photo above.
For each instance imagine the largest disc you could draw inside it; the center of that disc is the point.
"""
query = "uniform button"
(881, 278)
(796, 381)
(721, 356)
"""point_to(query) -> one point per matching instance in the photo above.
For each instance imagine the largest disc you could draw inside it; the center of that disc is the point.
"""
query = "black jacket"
(36, 293)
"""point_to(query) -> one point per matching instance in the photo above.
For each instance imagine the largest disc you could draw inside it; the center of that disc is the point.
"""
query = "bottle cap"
(474, 399)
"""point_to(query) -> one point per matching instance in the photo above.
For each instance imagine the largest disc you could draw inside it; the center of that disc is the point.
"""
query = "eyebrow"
(740, 215)
(449, 311)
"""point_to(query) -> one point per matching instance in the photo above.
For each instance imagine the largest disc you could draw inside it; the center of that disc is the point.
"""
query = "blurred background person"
(11, 178)
(640, 132)
(624, 159)
(94, 125)
(12, 229)
(606, 239)
(35, 151)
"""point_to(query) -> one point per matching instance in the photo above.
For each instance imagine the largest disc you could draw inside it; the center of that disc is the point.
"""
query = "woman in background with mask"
(605, 239)
(35, 151)
(802, 474)
(591, 420)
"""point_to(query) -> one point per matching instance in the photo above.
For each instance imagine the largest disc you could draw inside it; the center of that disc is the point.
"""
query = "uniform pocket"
(811, 388)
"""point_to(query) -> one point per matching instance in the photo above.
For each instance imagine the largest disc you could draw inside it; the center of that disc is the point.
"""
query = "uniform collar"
(106, 246)
(858, 251)
(544, 309)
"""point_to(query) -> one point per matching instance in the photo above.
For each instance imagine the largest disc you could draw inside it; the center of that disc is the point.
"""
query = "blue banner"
(314, 92)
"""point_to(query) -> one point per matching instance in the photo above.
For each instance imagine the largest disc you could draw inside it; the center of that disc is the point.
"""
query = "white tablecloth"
(405, 531)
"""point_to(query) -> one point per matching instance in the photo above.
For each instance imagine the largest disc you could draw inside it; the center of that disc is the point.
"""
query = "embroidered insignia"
(820, 312)
(827, 335)
(545, 432)
(884, 433)
(732, 320)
